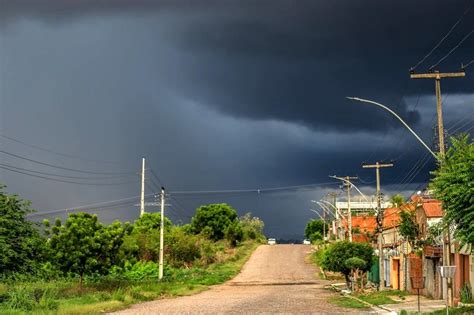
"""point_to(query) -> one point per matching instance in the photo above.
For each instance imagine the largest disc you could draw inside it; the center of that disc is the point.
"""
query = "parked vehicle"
(271, 241)
(306, 242)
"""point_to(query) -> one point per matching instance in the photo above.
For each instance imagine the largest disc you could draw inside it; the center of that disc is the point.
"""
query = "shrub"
(466, 293)
(214, 218)
(181, 248)
(234, 233)
(335, 256)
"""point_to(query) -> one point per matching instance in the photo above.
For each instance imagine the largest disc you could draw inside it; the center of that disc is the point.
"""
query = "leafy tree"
(143, 243)
(234, 233)
(409, 229)
(252, 227)
(316, 236)
(397, 200)
(83, 245)
(213, 219)
(314, 226)
(453, 184)
(21, 246)
(336, 254)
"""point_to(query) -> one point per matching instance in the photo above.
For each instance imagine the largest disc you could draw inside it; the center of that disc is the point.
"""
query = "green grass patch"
(465, 310)
(106, 295)
(344, 301)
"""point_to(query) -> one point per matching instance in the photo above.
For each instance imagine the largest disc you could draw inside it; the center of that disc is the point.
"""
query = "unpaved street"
(276, 279)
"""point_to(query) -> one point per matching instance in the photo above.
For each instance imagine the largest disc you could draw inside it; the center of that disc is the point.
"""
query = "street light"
(399, 118)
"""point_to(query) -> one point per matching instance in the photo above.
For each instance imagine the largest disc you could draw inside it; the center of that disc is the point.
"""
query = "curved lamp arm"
(399, 118)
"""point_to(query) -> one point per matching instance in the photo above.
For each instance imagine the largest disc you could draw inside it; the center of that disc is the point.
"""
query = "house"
(429, 213)
(397, 261)
(363, 228)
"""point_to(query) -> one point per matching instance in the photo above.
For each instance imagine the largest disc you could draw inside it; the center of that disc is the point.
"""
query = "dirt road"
(275, 280)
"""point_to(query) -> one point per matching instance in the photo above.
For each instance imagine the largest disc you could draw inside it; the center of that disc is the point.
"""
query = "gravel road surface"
(275, 280)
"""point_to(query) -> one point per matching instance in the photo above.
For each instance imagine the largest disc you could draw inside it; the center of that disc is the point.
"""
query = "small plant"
(466, 293)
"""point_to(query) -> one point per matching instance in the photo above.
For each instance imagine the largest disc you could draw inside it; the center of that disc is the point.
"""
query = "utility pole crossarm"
(437, 75)
(377, 165)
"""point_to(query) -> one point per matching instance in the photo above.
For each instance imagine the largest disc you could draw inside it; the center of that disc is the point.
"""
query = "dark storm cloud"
(294, 61)
(225, 94)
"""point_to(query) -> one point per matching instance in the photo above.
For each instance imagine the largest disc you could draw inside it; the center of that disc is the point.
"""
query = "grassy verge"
(374, 298)
(466, 310)
(344, 301)
(66, 297)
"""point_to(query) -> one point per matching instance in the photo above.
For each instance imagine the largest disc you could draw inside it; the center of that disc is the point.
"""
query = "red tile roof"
(433, 209)
(391, 216)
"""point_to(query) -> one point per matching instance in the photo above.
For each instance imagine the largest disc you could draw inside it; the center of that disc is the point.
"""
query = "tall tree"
(83, 245)
(214, 218)
(21, 246)
(314, 226)
(453, 184)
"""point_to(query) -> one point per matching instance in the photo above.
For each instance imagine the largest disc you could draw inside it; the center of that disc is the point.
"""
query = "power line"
(157, 178)
(442, 39)
(92, 204)
(464, 66)
(62, 176)
(257, 190)
(60, 167)
(64, 181)
(55, 152)
(452, 50)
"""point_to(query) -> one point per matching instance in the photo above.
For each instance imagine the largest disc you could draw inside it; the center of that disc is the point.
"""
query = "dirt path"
(275, 280)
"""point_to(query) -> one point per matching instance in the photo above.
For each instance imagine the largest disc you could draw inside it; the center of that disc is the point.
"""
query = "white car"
(306, 242)
(271, 241)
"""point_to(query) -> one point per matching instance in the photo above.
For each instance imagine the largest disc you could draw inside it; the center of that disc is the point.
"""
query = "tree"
(213, 219)
(143, 243)
(83, 245)
(314, 226)
(21, 246)
(453, 184)
(252, 227)
(316, 236)
(336, 254)
(397, 200)
(234, 233)
(409, 229)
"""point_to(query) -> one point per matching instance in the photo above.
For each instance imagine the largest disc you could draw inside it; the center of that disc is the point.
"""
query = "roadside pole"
(377, 167)
(162, 228)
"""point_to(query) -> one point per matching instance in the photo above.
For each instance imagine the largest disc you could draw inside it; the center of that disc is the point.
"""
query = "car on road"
(271, 241)
(306, 242)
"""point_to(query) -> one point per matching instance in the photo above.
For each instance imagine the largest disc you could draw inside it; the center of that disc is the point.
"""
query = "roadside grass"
(465, 310)
(383, 297)
(66, 297)
(374, 298)
(344, 301)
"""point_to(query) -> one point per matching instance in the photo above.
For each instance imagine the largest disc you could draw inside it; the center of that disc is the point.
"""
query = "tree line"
(82, 246)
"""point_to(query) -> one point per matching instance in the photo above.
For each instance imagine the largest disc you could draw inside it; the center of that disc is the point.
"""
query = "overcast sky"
(222, 95)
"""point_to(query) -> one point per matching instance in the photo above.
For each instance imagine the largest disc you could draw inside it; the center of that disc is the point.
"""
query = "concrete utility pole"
(334, 196)
(438, 76)
(377, 167)
(142, 194)
(162, 229)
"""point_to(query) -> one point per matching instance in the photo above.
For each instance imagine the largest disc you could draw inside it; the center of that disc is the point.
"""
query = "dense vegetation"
(454, 186)
(315, 229)
(51, 267)
(345, 257)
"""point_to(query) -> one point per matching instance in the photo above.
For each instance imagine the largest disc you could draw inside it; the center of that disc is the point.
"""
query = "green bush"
(234, 233)
(466, 293)
(182, 248)
(214, 218)
(335, 256)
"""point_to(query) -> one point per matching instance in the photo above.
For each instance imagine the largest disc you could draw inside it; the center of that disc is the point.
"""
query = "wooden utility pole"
(437, 76)
(377, 167)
